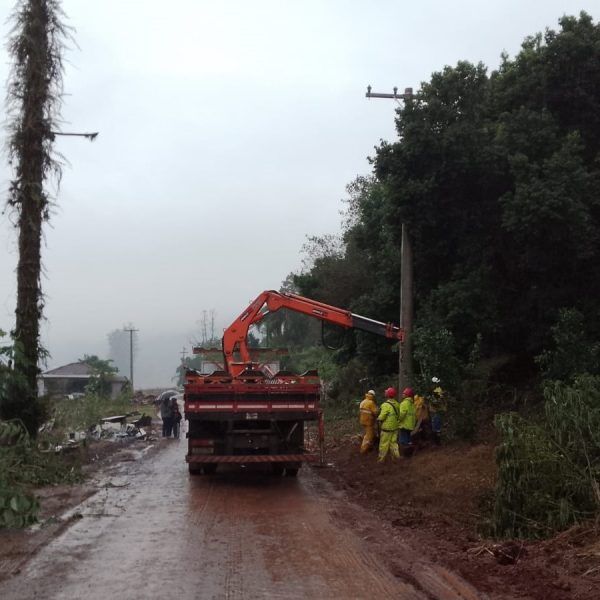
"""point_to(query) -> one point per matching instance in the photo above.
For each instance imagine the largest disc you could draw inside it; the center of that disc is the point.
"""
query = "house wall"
(64, 385)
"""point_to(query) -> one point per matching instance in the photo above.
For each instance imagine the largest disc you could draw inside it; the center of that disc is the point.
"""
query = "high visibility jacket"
(421, 408)
(408, 416)
(368, 411)
(389, 415)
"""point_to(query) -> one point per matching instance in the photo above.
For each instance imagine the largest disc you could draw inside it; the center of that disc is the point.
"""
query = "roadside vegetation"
(497, 177)
(27, 462)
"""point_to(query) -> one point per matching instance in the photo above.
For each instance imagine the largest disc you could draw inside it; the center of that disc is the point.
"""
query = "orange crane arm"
(235, 336)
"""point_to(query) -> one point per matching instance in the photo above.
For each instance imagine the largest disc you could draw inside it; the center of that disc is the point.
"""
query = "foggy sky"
(228, 132)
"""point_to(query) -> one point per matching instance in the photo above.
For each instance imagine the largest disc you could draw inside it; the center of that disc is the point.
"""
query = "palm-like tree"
(33, 101)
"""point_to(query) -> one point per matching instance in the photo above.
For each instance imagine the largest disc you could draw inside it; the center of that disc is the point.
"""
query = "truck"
(243, 413)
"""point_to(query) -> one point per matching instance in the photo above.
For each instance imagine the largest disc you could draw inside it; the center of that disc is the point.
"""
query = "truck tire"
(194, 469)
(210, 469)
(291, 472)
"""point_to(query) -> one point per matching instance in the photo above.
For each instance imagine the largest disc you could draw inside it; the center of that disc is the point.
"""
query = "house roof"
(77, 370)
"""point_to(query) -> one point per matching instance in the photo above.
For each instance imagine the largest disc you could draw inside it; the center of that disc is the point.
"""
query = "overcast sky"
(228, 132)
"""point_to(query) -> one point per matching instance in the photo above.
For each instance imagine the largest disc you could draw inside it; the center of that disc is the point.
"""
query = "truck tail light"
(194, 443)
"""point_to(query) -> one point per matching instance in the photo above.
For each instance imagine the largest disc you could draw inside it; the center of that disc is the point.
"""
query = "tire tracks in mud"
(432, 581)
(232, 536)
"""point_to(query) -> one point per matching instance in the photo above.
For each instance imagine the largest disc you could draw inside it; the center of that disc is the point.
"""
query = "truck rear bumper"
(251, 458)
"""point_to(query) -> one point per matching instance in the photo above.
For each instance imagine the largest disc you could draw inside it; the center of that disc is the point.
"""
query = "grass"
(83, 413)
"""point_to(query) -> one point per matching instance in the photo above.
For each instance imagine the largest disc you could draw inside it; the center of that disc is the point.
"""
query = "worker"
(388, 420)
(166, 413)
(407, 421)
(423, 427)
(368, 419)
(437, 410)
(175, 417)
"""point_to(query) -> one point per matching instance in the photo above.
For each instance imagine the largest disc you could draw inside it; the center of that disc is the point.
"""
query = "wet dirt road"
(154, 532)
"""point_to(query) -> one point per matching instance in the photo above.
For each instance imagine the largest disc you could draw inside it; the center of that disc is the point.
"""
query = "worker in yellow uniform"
(368, 419)
(407, 421)
(388, 420)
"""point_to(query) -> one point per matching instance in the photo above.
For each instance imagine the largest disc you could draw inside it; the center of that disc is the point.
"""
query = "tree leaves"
(498, 180)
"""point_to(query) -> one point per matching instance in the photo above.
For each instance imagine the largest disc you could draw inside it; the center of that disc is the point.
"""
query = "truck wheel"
(277, 470)
(291, 472)
(210, 469)
(194, 469)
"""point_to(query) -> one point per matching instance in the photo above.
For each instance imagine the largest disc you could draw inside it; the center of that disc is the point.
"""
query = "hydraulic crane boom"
(235, 336)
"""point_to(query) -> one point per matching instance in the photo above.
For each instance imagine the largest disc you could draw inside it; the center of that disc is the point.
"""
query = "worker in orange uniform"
(388, 418)
(407, 421)
(368, 412)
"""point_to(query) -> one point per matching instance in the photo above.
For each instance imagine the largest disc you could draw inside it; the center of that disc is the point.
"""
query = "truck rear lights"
(202, 451)
(195, 443)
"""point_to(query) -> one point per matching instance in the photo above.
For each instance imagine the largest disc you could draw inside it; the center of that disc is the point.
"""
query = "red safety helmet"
(390, 392)
(408, 393)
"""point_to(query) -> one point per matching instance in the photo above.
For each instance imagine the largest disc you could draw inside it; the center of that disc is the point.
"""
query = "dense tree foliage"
(498, 178)
(102, 371)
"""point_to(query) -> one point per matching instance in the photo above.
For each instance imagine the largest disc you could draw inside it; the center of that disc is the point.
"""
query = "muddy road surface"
(154, 532)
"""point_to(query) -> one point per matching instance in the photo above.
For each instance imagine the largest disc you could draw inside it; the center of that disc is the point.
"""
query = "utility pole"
(405, 362)
(405, 371)
(183, 354)
(131, 332)
(204, 324)
(212, 323)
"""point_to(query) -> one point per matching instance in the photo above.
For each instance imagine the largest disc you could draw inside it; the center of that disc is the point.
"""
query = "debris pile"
(114, 428)
(144, 398)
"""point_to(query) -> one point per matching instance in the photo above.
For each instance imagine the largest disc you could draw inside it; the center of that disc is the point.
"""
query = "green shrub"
(572, 351)
(23, 466)
(80, 414)
(549, 471)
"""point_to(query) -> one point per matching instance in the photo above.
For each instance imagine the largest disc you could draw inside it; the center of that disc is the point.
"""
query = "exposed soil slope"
(437, 501)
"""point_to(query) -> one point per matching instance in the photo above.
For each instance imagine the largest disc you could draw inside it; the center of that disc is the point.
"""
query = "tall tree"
(34, 99)
(498, 178)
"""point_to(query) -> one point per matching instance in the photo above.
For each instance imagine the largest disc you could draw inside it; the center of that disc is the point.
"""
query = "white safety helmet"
(435, 379)
(371, 392)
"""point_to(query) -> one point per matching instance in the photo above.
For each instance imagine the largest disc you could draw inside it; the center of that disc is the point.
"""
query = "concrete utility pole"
(405, 372)
(405, 366)
(131, 332)
(183, 355)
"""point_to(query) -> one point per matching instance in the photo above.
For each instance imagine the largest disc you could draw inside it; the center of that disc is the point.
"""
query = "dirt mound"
(437, 502)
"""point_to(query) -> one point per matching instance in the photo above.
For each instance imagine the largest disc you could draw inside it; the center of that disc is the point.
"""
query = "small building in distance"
(73, 379)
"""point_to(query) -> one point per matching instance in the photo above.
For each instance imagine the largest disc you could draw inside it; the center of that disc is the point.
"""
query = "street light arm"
(90, 136)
